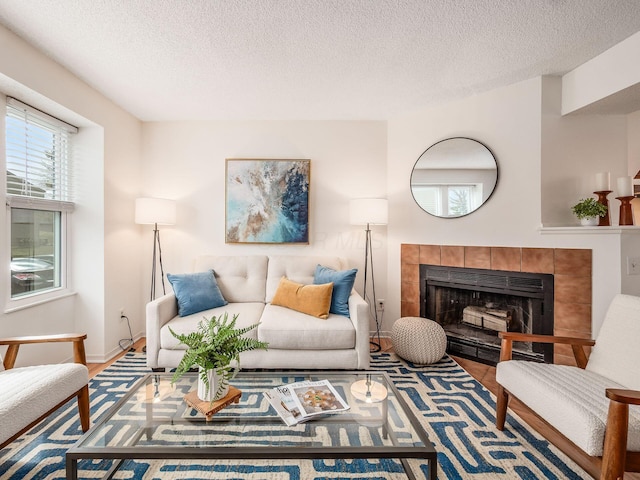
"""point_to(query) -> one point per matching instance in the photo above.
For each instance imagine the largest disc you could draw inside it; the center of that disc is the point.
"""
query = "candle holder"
(602, 199)
(626, 213)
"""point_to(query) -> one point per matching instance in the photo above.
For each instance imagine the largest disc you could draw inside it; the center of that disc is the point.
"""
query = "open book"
(301, 401)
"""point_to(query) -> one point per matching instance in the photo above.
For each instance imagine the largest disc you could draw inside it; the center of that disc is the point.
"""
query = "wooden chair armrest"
(577, 344)
(15, 342)
(62, 337)
(630, 397)
(531, 337)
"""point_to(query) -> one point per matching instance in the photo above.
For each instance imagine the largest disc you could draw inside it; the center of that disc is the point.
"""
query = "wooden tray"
(209, 409)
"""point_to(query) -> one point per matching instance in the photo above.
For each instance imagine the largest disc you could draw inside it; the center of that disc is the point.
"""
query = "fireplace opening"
(474, 305)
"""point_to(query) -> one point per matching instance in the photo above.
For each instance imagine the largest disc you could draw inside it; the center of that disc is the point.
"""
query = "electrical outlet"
(380, 304)
(633, 265)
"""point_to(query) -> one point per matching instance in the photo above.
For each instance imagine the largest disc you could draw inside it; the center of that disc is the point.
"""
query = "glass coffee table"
(153, 422)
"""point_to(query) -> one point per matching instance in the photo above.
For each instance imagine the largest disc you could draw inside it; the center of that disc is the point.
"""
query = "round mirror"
(454, 177)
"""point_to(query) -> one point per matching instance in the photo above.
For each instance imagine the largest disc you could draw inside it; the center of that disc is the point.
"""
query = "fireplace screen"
(474, 305)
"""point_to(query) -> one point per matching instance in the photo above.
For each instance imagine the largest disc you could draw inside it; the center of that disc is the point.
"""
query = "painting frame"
(267, 201)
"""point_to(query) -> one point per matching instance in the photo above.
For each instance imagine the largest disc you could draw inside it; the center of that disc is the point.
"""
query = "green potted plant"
(215, 349)
(588, 210)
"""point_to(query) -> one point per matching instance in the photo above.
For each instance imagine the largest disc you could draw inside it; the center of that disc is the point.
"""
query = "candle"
(625, 186)
(603, 182)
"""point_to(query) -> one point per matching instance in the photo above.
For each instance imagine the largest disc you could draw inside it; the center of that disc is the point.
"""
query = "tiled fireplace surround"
(571, 269)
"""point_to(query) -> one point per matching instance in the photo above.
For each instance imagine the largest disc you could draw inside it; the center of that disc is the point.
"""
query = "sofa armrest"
(359, 313)
(159, 312)
(576, 343)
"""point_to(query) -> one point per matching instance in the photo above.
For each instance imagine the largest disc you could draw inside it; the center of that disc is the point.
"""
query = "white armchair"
(594, 405)
(30, 394)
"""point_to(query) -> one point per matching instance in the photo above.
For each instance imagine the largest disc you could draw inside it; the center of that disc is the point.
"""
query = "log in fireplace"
(473, 305)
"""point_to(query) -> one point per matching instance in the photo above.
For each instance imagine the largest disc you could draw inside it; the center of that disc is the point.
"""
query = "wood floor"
(484, 374)
(96, 368)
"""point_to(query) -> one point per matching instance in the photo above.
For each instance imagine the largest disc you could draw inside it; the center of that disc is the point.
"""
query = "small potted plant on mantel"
(589, 211)
(215, 348)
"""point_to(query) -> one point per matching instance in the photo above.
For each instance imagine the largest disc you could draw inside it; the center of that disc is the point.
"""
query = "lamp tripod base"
(368, 261)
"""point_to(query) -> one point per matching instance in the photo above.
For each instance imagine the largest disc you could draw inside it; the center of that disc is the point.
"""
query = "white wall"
(633, 156)
(612, 77)
(104, 241)
(185, 161)
(574, 149)
(510, 122)
(633, 135)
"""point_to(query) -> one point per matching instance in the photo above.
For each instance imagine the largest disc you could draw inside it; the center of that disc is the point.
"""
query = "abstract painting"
(267, 201)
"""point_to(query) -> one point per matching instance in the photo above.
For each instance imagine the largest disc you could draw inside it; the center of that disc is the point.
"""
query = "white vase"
(209, 395)
(589, 222)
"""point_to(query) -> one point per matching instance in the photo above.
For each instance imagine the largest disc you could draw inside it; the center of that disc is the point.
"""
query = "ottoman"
(418, 340)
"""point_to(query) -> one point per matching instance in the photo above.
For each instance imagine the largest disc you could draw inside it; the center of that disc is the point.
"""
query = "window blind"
(39, 155)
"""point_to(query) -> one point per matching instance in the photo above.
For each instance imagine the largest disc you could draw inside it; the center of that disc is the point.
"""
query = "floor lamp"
(156, 211)
(370, 211)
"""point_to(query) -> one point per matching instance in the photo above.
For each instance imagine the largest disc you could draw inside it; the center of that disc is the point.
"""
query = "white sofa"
(296, 340)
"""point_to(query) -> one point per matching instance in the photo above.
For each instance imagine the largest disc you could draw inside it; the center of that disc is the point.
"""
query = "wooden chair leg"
(83, 407)
(502, 402)
(615, 441)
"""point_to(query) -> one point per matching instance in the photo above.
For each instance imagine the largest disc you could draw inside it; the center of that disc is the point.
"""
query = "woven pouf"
(418, 340)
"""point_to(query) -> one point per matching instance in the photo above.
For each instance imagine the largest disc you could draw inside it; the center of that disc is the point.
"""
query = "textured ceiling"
(312, 59)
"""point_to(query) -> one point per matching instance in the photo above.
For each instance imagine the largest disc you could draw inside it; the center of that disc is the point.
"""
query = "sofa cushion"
(300, 269)
(240, 278)
(284, 328)
(27, 393)
(569, 398)
(343, 281)
(310, 299)
(616, 354)
(248, 314)
(196, 292)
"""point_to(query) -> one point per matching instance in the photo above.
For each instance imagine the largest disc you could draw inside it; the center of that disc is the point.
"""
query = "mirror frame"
(438, 143)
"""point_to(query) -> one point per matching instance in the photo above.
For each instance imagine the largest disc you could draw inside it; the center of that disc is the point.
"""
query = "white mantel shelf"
(579, 230)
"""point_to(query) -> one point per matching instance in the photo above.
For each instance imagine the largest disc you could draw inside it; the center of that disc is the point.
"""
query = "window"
(39, 197)
(448, 200)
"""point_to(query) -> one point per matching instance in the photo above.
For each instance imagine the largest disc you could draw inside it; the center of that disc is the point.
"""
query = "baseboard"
(382, 334)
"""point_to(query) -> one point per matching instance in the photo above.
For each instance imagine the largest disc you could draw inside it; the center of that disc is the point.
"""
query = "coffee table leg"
(72, 468)
(385, 415)
(149, 409)
(407, 469)
(149, 417)
(433, 469)
(114, 468)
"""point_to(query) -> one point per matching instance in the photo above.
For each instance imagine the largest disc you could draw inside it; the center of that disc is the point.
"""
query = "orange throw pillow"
(310, 299)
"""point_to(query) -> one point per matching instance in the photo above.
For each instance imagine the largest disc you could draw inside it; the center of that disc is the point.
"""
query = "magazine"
(301, 401)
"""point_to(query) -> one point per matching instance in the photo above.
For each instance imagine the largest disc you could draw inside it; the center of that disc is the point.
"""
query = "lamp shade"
(155, 210)
(373, 211)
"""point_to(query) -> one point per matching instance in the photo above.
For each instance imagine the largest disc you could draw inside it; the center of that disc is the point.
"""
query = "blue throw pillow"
(196, 292)
(343, 281)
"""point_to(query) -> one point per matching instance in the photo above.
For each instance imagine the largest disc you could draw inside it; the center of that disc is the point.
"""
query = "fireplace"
(571, 269)
(474, 305)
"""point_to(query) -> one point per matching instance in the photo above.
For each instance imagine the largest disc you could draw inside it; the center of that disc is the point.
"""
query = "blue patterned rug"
(455, 410)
